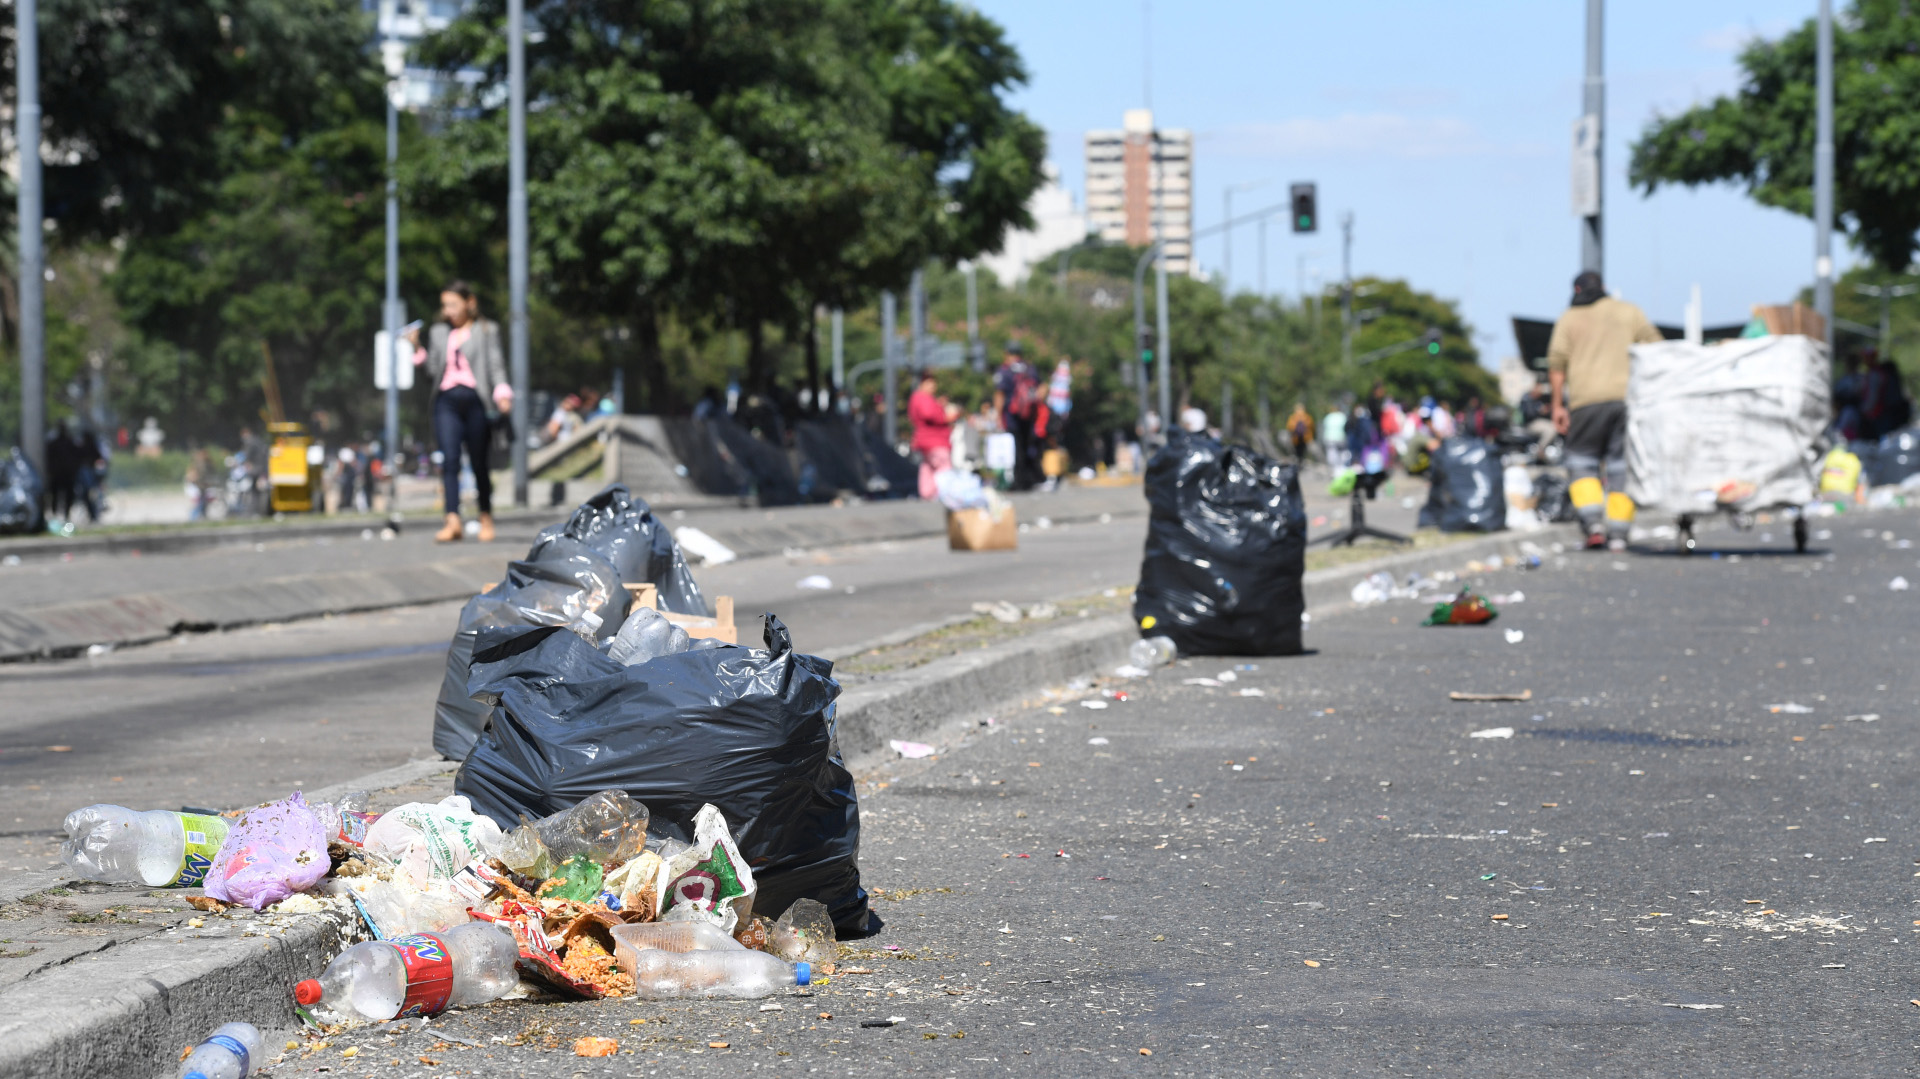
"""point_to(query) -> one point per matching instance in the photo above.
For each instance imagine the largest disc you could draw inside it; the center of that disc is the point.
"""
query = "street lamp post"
(33, 314)
(1592, 254)
(1823, 174)
(517, 236)
(390, 312)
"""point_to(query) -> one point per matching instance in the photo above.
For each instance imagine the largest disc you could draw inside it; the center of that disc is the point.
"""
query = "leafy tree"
(1763, 136)
(1400, 314)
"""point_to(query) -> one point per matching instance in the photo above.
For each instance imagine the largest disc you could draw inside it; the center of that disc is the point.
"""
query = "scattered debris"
(1493, 732)
(1462, 695)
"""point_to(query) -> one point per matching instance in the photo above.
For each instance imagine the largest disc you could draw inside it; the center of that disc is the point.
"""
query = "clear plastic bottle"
(735, 975)
(423, 974)
(645, 635)
(232, 1052)
(629, 940)
(1151, 652)
(158, 848)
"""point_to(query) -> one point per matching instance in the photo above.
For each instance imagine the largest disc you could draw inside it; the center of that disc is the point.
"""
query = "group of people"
(1033, 412)
(1869, 398)
(76, 472)
(1375, 434)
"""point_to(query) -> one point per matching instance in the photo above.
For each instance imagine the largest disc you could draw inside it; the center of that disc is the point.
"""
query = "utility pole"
(1263, 257)
(1591, 252)
(917, 319)
(840, 360)
(889, 423)
(391, 314)
(33, 269)
(1823, 175)
(1346, 288)
(1162, 344)
(1140, 335)
(976, 355)
(517, 235)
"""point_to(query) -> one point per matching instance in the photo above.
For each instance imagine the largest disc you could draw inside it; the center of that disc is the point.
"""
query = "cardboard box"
(982, 530)
(720, 626)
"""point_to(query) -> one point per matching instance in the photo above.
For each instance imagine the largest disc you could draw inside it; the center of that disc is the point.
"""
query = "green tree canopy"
(1763, 135)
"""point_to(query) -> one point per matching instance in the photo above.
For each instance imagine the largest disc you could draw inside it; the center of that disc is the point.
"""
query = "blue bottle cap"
(803, 974)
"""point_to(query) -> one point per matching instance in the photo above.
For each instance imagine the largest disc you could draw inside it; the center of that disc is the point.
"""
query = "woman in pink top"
(932, 417)
(468, 373)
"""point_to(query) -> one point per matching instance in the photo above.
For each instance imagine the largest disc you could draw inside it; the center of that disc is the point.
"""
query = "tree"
(736, 162)
(1401, 314)
(1763, 136)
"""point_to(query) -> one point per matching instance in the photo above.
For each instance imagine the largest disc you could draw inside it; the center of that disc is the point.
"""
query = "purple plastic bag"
(273, 851)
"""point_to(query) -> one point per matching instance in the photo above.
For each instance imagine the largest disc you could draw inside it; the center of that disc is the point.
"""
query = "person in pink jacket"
(932, 416)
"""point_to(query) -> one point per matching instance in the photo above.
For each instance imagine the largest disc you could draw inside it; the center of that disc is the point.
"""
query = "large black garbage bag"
(20, 491)
(1469, 489)
(748, 730)
(560, 579)
(623, 529)
(1226, 548)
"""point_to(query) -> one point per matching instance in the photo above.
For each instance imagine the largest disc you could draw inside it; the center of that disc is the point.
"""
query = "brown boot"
(452, 532)
(486, 528)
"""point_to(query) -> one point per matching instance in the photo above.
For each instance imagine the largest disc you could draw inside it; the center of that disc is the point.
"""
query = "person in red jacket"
(932, 416)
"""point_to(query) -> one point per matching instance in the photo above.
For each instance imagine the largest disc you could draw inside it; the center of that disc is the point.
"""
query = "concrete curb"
(168, 990)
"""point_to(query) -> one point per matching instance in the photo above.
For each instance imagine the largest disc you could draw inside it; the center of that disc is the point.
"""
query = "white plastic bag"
(433, 841)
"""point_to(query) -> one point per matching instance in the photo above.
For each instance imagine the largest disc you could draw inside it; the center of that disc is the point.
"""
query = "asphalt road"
(1692, 856)
(232, 718)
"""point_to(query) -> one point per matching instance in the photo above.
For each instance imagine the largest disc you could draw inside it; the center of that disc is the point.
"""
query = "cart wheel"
(1800, 535)
(1686, 535)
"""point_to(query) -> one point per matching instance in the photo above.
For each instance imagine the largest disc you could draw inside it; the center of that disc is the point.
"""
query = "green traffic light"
(1146, 355)
(1306, 222)
(1433, 348)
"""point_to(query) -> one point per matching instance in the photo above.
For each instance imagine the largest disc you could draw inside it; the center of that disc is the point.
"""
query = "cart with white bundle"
(1735, 427)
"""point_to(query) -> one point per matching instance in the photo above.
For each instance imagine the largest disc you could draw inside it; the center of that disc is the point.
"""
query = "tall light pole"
(1823, 175)
(1594, 105)
(33, 281)
(390, 312)
(889, 424)
(517, 236)
(1162, 345)
(840, 360)
(1346, 288)
(917, 319)
(976, 356)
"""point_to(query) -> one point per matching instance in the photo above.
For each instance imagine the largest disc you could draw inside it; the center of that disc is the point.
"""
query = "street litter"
(1864, 717)
(1128, 670)
(1461, 695)
(234, 1051)
(1465, 609)
(710, 551)
(1213, 682)
(911, 750)
(1898, 584)
(1493, 732)
(814, 582)
(1150, 652)
(1098, 742)
(1510, 597)
(1250, 691)
(1515, 636)
(1790, 708)
(1095, 705)
(1696, 1007)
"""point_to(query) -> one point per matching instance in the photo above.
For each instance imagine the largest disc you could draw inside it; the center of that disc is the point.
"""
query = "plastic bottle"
(423, 974)
(631, 939)
(1151, 652)
(734, 975)
(232, 1052)
(646, 635)
(158, 848)
(346, 820)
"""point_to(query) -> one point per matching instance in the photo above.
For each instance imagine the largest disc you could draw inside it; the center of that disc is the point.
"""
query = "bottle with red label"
(422, 974)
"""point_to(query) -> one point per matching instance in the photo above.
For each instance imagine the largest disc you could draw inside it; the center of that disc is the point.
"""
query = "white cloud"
(1376, 134)
(1733, 37)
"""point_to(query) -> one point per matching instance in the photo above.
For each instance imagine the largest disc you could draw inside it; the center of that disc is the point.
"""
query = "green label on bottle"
(203, 838)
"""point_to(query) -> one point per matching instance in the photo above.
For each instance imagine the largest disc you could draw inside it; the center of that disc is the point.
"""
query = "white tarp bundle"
(1733, 424)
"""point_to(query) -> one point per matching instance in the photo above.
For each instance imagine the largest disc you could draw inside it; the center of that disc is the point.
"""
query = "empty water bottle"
(158, 848)
(740, 974)
(646, 635)
(631, 939)
(232, 1052)
(422, 974)
(1151, 652)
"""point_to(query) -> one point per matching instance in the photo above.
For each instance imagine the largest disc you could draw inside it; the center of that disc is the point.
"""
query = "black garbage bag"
(623, 529)
(1226, 549)
(1552, 498)
(20, 491)
(747, 730)
(560, 579)
(1469, 488)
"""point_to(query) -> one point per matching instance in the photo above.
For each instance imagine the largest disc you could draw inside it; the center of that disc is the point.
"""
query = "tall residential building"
(1140, 186)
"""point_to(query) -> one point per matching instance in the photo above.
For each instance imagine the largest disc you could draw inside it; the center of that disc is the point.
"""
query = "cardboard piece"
(720, 627)
(982, 530)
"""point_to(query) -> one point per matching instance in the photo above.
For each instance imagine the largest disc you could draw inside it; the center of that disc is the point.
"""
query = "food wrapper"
(634, 888)
(707, 881)
(273, 851)
(539, 959)
(1465, 609)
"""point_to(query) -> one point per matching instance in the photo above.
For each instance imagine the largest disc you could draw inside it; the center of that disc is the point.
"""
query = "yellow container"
(293, 476)
(1840, 476)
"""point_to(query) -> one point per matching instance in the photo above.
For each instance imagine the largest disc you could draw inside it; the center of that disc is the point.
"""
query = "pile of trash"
(637, 804)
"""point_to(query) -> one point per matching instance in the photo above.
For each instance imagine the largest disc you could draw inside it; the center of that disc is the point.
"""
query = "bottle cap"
(803, 974)
(307, 992)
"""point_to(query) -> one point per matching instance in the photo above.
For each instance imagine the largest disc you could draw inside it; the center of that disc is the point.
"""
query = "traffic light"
(1433, 342)
(1306, 208)
(1146, 346)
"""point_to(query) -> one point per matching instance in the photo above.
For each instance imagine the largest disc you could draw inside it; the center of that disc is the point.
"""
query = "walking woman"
(469, 377)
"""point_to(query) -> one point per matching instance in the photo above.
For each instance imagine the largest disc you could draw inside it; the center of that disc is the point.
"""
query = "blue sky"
(1444, 127)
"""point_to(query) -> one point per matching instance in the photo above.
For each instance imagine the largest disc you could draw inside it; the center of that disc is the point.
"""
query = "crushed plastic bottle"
(158, 848)
(629, 940)
(234, 1051)
(646, 635)
(805, 934)
(608, 827)
(347, 820)
(718, 973)
(1151, 652)
(422, 974)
